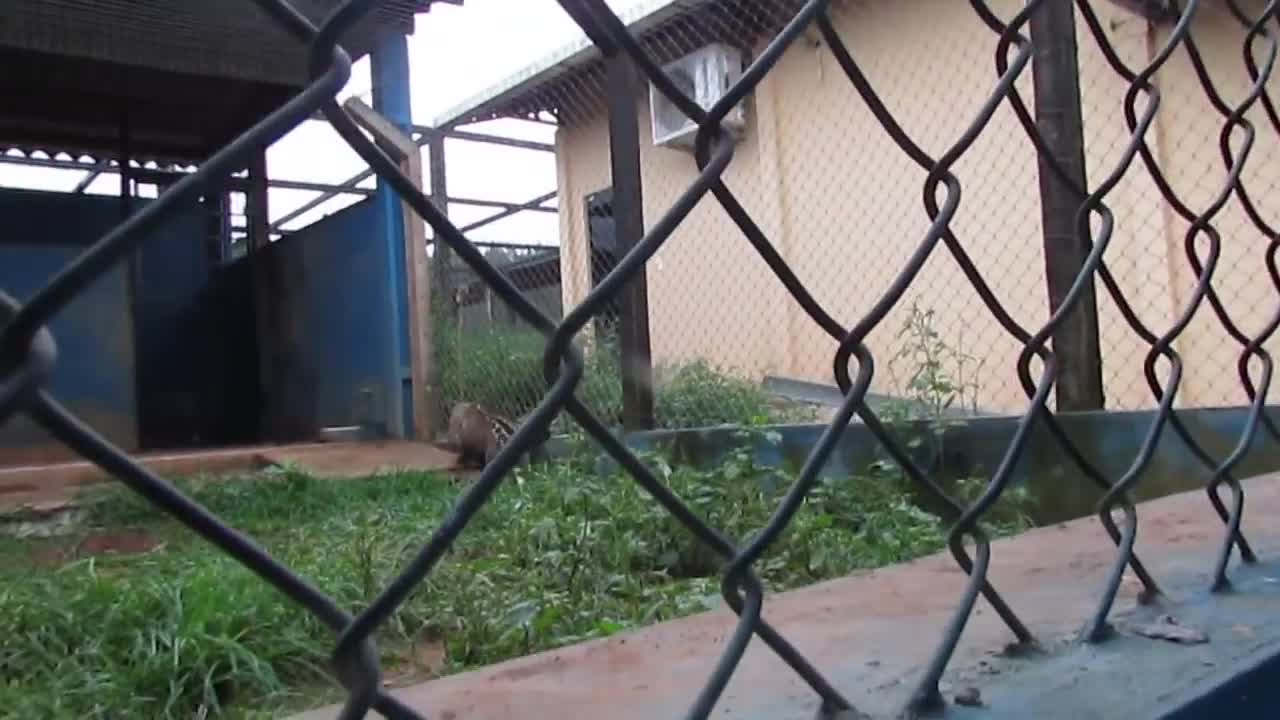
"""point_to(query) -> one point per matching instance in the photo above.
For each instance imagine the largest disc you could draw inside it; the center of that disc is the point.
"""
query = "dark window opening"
(602, 241)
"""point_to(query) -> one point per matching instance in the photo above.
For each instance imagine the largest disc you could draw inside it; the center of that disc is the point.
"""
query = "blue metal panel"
(390, 74)
(94, 375)
(171, 274)
(348, 336)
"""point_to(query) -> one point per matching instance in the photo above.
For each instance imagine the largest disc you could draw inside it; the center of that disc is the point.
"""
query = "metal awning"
(183, 76)
(570, 81)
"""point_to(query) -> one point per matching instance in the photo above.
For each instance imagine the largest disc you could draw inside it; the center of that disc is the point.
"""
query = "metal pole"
(255, 205)
(444, 306)
(133, 272)
(442, 259)
(126, 173)
(91, 175)
(628, 216)
(1056, 78)
(270, 299)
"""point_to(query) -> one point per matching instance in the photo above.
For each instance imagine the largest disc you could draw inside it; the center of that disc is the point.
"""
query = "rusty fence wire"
(1217, 304)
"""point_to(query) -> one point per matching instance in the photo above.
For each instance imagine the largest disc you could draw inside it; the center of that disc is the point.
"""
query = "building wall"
(843, 205)
(710, 296)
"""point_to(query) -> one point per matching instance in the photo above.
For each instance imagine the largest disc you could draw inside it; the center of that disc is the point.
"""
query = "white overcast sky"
(454, 53)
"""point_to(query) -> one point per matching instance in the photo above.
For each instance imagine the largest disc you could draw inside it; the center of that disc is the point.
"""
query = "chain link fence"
(487, 353)
(885, 179)
(825, 184)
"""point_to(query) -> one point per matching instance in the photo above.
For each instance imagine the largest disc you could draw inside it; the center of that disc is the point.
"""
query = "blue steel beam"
(389, 67)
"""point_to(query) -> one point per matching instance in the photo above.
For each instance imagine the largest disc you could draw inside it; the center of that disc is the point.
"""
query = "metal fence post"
(628, 216)
(1056, 78)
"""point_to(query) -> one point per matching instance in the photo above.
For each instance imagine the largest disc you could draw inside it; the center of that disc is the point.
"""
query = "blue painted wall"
(94, 375)
(139, 356)
(162, 353)
(343, 371)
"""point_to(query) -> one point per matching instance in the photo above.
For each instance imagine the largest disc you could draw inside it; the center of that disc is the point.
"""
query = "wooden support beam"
(392, 140)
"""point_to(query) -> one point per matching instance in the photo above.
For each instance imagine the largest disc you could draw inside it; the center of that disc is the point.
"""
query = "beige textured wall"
(844, 206)
(1198, 174)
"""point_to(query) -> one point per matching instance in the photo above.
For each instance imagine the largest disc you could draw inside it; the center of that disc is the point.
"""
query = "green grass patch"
(558, 555)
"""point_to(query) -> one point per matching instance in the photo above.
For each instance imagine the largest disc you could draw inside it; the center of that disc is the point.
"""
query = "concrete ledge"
(1110, 440)
(871, 633)
(43, 488)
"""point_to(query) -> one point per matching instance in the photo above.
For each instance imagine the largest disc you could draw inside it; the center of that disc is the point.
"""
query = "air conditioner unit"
(704, 75)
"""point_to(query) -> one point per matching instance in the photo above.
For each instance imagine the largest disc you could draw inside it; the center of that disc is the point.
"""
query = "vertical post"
(392, 128)
(443, 259)
(126, 172)
(1056, 78)
(269, 303)
(389, 70)
(222, 224)
(132, 275)
(442, 300)
(424, 401)
(255, 204)
(628, 213)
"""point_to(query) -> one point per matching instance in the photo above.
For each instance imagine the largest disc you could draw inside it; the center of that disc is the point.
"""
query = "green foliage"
(560, 553)
(939, 393)
(697, 394)
(502, 370)
(938, 380)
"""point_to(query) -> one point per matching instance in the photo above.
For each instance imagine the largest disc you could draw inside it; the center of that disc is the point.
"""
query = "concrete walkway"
(870, 634)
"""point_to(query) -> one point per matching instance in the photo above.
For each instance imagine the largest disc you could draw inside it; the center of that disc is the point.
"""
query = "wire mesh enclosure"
(873, 167)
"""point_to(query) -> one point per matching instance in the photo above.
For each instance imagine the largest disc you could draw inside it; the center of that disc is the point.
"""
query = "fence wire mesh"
(916, 189)
(811, 138)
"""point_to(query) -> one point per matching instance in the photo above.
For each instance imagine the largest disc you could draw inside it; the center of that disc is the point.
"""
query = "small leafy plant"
(939, 392)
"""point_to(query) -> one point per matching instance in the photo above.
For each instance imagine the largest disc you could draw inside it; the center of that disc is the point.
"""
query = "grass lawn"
(557, 556)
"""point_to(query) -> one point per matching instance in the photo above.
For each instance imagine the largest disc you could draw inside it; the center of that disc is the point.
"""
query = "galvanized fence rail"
(28, 350)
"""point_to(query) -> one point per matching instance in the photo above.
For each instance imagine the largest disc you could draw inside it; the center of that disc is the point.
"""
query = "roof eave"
(570, 57)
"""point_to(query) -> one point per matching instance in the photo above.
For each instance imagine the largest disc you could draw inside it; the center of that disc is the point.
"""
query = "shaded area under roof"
(570, 81)
(184, 76)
